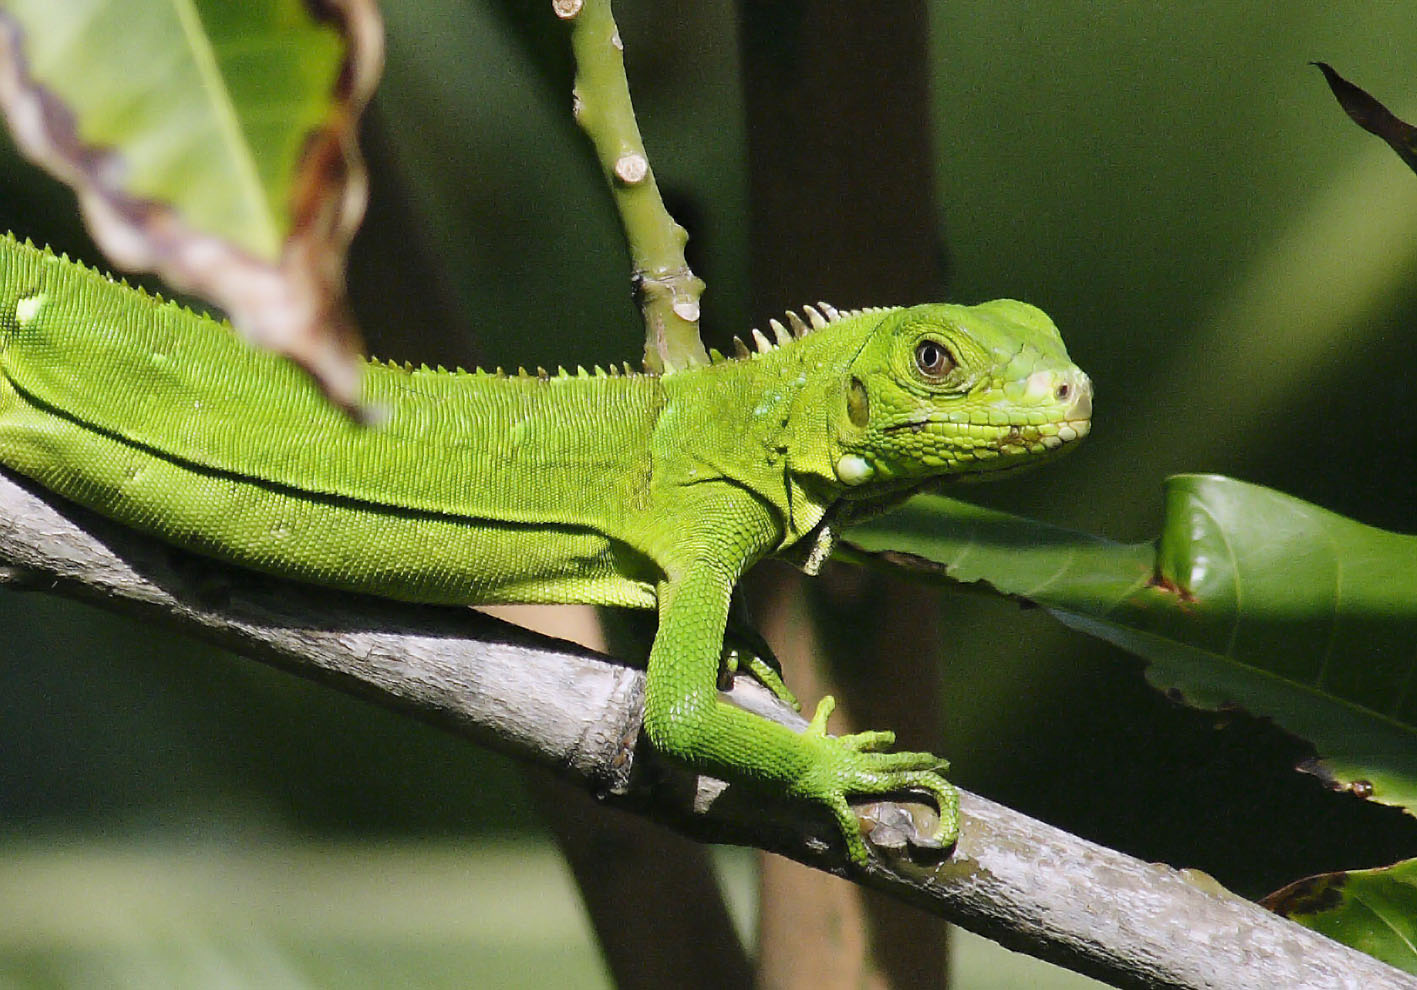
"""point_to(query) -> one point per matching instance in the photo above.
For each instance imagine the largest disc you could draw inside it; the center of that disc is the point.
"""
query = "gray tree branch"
(1013, 879)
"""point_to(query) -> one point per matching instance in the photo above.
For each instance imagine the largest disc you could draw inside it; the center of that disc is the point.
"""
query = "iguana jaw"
(985, 442)
(1022, 452)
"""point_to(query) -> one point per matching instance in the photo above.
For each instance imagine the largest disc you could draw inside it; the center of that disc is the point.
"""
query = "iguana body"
(638, 490)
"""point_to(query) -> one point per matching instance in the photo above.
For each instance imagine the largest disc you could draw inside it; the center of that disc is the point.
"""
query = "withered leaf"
(215, 145)
(1372, 116)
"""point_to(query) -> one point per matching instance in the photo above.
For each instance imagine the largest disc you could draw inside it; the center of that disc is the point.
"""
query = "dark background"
(1232, 261)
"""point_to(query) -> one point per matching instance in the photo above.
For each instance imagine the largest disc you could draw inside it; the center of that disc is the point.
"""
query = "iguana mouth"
(1064, 431)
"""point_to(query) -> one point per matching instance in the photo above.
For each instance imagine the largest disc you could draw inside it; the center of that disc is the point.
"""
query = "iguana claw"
(855, 765)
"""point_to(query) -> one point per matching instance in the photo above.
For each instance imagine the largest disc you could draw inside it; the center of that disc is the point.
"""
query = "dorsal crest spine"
(817, 317)
(790, 327)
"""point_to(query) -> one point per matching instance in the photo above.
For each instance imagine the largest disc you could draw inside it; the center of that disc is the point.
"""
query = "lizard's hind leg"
(745, 649)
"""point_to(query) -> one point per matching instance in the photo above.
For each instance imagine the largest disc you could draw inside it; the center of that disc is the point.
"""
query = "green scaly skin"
(633, 490)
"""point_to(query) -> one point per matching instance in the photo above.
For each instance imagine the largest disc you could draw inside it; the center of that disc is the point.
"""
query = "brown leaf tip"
(1311, 895)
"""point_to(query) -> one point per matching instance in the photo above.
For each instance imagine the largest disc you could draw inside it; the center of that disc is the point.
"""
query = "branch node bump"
(631, 168)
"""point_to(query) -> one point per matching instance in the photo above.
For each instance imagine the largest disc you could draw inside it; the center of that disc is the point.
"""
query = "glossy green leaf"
(1371, 910)
(1249, 598)
(211, 142)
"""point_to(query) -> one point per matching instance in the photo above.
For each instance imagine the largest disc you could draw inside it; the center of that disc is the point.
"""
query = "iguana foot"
(744, 648)
(751, 662)
(856, 765)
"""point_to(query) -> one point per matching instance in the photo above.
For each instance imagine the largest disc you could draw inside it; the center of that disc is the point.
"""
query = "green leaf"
(1250, 598)
(1372, 116)
(211, 142)
(1374, 911)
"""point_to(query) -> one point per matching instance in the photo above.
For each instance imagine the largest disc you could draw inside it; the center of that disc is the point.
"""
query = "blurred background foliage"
(1232, 261)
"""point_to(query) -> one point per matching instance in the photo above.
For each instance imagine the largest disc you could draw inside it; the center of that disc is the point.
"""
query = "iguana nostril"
(1062, 392)
(1081, 406)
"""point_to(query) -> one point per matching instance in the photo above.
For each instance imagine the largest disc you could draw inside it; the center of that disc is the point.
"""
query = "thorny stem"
(667, 291)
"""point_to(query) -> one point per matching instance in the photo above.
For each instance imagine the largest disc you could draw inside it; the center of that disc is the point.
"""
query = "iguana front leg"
(685, 720)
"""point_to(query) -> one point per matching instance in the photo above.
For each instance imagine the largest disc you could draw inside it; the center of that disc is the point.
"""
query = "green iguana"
(605, 488)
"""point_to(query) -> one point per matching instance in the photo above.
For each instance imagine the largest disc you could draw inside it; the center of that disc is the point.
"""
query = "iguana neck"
(767, 415)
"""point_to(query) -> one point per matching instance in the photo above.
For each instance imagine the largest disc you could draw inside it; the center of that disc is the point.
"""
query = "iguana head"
(972, 391)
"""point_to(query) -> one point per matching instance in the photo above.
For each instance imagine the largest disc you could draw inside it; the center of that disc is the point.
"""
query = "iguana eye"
(933, 360)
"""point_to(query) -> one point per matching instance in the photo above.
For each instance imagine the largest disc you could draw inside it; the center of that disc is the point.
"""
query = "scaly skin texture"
(637, 490)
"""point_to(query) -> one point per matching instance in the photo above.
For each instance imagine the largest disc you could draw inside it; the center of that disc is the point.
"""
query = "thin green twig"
(667, 290)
